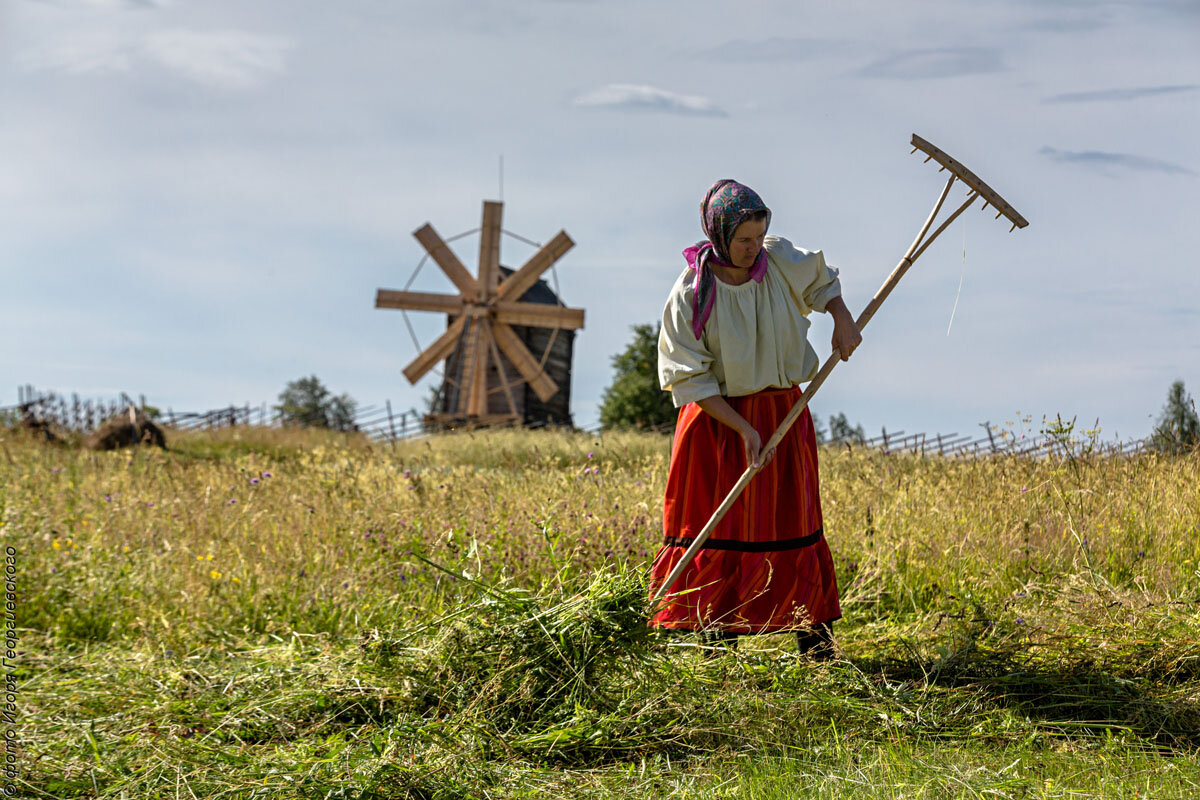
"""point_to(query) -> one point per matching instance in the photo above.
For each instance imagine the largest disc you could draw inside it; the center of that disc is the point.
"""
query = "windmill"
(492, 320)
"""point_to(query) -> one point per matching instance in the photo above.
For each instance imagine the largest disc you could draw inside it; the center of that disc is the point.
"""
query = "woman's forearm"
(716, 406)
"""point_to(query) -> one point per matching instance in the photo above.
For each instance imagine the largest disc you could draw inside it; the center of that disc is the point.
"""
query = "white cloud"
(82, 54)
(649, 98)
(229, 59)
(223, 59)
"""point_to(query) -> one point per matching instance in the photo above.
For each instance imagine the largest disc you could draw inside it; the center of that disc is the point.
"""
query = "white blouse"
(756, 336)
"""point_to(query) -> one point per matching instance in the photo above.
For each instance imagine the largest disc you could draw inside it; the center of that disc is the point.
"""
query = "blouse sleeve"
(813, 283)
(684, 362)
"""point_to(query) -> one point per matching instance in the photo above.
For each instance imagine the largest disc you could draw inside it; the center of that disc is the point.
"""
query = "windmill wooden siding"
(529, 407)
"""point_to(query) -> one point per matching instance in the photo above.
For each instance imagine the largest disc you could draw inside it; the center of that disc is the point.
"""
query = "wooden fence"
(79, 415)
(382, 423)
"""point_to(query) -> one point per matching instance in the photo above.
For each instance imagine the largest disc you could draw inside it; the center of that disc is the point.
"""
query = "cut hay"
(126, 429)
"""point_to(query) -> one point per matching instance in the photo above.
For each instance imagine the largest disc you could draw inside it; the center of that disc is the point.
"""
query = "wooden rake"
(920, 244)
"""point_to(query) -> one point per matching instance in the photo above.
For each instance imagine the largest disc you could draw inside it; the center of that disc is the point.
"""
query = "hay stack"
(125, 430)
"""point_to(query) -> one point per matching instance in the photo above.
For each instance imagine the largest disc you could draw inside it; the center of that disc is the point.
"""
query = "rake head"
(989, 195)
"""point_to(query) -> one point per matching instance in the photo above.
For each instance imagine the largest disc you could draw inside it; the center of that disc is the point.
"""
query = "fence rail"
(382, 423)
(379, 422)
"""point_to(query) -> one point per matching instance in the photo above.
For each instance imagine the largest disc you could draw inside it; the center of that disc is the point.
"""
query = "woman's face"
(746, 242)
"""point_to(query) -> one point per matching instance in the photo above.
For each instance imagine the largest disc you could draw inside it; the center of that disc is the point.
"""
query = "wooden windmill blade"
(440, 349)
(538, 315)
(515, 285)
(489, 249)
(523, 360)
(451, 304)
(444, 257)
(472, 393)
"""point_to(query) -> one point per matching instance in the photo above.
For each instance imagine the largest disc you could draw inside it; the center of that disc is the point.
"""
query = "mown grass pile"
(285, 614)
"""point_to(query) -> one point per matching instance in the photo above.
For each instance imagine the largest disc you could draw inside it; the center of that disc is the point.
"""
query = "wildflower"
(55, 544)
(149, 505)
(108, 498)
(216, 576)
(209, 557)
(235, 579)
(266, 474)
(1020, 620)
(301, 573)
(232, 501)
(1024, 489)
(591, 454)
(56, 470)
(254, 481)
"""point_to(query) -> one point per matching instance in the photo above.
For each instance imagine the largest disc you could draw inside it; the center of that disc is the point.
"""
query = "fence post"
(391, 421)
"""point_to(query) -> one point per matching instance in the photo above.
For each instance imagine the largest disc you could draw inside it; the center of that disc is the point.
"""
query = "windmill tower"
(491, 376)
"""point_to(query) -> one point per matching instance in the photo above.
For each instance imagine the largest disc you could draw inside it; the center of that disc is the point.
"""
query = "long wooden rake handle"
(919, 245)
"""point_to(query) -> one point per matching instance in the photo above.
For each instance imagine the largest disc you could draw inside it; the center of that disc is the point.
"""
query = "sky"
(198, 200)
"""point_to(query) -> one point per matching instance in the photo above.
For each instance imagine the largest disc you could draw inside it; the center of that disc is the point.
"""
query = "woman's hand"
(754, 455)
(846, 336)
(719, 408)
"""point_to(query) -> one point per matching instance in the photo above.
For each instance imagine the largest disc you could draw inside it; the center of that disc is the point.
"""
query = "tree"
(308, 403)
(840, 430)
(1178, 427)
(635, 399)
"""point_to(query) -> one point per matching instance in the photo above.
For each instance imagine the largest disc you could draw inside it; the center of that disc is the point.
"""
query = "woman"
(731, 350)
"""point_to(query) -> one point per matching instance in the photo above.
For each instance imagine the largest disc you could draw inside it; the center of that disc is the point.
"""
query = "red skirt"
(766, 567)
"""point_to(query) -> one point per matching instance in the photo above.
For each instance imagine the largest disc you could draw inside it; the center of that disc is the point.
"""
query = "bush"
(306, 402)
(1178, 427)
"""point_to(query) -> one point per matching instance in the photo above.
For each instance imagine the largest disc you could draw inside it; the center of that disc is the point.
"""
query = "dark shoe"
(816, 643)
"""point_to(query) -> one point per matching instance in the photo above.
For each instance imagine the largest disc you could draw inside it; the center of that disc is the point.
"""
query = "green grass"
(294, 615)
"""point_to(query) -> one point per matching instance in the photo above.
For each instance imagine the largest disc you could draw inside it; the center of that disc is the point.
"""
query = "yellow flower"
(126, 549)
(210, 556)
(56, 545)
(234, 579)
(216, 576)
(199, 558)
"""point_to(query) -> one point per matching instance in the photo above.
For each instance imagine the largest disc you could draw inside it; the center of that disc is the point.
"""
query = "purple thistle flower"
(266, 474)
(232, 501)
(108, 498)
(591, 454)
(1020, 620)
(57, 470)
(254, 481)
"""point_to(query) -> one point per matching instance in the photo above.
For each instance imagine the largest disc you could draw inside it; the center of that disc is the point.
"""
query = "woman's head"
(735, 220)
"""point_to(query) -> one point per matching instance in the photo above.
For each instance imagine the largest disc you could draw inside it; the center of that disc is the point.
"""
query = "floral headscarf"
(726, 205)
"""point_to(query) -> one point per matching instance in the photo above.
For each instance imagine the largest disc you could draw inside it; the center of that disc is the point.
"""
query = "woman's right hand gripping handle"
(719, 408)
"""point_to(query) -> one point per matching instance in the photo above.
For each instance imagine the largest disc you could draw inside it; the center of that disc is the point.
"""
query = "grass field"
(261, 613)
